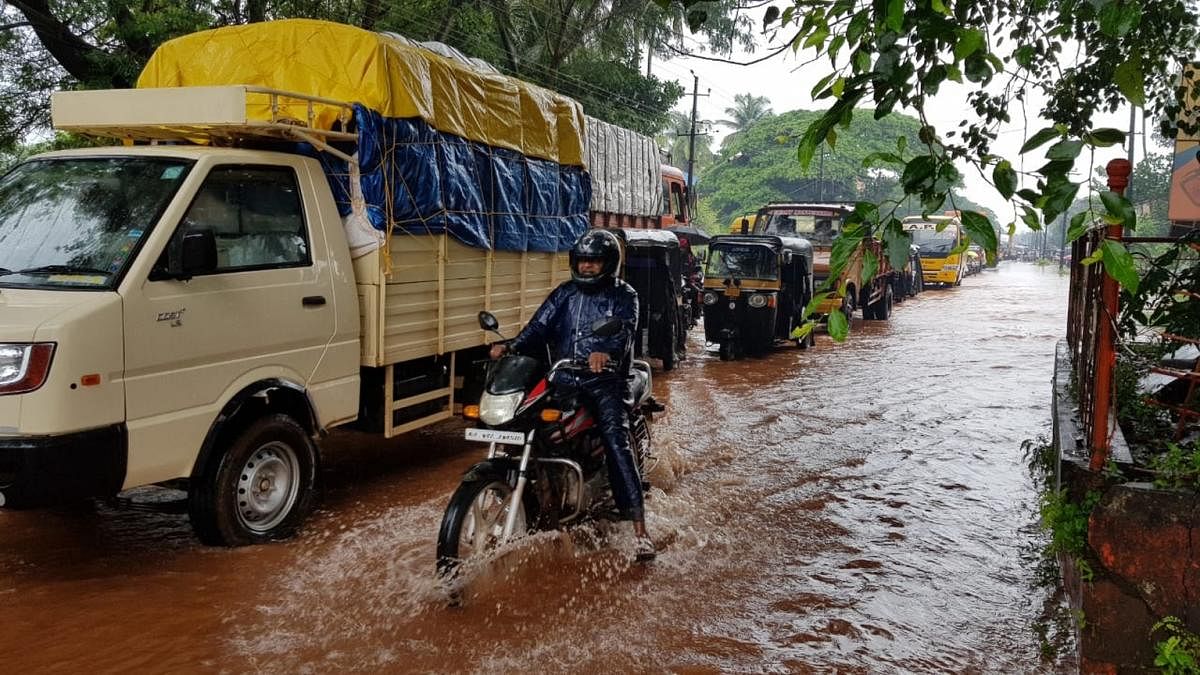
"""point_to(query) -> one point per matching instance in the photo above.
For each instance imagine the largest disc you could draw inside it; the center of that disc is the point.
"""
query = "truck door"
(265, 312)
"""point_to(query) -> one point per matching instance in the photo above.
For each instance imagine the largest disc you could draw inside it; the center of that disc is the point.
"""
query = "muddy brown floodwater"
(861, 507)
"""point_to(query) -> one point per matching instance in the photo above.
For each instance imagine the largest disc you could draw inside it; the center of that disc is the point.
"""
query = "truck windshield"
(742, 261)
(820, 229)
(75, 222)
(933, 243)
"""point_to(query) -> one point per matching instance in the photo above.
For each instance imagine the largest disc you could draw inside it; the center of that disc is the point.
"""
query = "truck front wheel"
(261, 489)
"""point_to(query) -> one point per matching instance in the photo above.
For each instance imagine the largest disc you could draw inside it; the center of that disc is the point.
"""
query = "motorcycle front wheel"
(473, 524)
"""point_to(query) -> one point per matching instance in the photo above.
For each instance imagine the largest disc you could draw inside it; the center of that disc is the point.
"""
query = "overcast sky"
(787, 84)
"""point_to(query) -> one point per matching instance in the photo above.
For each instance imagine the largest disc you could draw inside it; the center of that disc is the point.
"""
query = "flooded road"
(860, 507)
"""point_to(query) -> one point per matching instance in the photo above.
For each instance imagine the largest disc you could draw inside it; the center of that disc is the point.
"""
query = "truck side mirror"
(487, 321)
(192, 252)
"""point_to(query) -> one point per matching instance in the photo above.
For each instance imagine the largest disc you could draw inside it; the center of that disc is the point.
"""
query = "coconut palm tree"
(674, 137)
(747, 109)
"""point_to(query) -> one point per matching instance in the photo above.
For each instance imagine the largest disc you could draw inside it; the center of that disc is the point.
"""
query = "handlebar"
(572, 364)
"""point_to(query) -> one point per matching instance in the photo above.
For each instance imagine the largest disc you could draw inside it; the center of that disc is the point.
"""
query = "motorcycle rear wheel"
(474, 522)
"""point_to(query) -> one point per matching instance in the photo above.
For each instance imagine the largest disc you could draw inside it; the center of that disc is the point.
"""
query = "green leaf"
(969, 41)
(1119, 264)
(770, 16)
(816, 90)
(870, 266)
(1078, 226)
(898, 246)
(1118, 18)
(696, 19)
(981, 231)
(1120, 209)
(1103, 138)
(835, 46)
(901, 144)
(1024, 55)
(1005, 179)
(1095, 257)
(817, 38)
(858, 26)
(1130, 79)
(862, 61)
(939, 7)
(1029, 217)
(839, 85)
(838, 326)
(882, 158)
(814, 303)
(895, 15)
(918, 173)
(1064, 150)
(1039, 139)
(953, 73)
(1028, 195)
(1012, 229)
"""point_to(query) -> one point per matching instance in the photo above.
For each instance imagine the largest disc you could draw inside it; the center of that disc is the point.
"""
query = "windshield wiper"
(61, 269)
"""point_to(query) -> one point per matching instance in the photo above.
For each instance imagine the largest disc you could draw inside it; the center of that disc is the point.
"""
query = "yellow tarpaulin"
(349, 64)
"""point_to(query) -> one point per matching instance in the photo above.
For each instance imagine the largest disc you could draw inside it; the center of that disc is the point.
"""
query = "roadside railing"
(1092, 338)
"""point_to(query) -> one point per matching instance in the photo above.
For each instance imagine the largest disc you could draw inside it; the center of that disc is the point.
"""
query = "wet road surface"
(860, 507)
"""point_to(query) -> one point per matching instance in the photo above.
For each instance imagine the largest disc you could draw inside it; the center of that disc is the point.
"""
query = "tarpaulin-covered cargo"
(443, 147)
(625, 170)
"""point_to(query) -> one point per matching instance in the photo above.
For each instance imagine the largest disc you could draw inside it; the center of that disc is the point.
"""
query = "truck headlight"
(499, 408)
(710, 298)
(24, 367)
(758, 301)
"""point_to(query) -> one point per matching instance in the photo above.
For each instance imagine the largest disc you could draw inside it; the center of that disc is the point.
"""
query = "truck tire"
(881, 309)
(260, 490)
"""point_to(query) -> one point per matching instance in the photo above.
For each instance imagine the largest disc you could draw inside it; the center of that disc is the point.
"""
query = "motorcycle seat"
(639, 383)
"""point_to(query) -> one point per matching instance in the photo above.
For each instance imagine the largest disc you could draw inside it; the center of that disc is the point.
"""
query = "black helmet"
(596, 244)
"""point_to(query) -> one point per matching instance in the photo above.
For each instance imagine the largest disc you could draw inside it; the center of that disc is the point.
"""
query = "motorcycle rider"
(563, 323)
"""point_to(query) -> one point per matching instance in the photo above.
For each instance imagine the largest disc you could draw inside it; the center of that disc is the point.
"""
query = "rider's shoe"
(643, 550)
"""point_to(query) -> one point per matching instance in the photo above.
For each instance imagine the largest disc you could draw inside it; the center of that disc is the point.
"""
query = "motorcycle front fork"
(510, 522)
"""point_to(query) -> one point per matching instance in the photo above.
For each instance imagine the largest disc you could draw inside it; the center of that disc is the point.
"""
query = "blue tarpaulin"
(485, 197)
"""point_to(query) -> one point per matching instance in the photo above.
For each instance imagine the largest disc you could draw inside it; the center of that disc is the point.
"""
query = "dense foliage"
(758, 165)
(589, 49)
(1085, 57)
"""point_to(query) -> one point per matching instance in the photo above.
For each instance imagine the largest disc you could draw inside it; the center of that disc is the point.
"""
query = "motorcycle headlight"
(710, 298)
(758, 300)
(23, 368)
(499, 408)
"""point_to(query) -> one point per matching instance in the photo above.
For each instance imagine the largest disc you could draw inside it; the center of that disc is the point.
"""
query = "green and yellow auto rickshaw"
(755, 290)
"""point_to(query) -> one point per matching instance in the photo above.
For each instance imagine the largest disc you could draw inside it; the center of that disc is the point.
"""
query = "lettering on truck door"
(258, 315)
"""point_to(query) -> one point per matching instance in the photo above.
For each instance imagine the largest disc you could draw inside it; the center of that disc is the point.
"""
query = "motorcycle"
(545, 467)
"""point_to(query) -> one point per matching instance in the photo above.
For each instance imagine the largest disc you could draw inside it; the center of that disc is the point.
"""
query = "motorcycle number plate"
(496, 436)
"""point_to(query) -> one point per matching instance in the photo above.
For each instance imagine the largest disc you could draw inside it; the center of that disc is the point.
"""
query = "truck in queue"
(942, 249)
(821, 223)
(274, 250)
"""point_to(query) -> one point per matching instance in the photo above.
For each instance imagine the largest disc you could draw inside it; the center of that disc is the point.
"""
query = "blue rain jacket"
(564, 323)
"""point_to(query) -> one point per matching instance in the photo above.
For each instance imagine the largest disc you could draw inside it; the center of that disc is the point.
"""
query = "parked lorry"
(259, 264)
(821, 223)
(943, 253)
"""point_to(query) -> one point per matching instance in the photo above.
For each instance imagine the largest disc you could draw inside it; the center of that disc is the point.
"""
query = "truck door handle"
(313, 300)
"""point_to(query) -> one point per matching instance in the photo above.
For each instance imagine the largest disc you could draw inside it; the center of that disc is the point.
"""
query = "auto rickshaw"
(653, 265)
(755, 290)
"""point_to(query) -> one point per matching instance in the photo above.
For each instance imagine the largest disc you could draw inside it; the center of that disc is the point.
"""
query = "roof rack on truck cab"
(215, 115)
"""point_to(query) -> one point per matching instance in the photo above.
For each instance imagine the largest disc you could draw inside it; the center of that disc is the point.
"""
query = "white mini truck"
(186, 313)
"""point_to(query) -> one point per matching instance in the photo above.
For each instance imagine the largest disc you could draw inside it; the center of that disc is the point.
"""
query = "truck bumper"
(47, 470)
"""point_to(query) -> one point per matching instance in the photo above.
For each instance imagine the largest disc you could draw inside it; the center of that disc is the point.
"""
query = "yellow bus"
(943, 256)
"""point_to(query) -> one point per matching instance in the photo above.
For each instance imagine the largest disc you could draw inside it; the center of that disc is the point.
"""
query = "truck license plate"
(496, 436)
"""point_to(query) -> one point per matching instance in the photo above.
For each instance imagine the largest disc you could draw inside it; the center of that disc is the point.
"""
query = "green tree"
(674, 137)
(887, 54)
(746, 110)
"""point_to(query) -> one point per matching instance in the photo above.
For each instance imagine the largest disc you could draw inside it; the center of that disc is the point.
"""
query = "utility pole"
(1062, 242)
(1132, 131)
(821, 176)
(691, 178)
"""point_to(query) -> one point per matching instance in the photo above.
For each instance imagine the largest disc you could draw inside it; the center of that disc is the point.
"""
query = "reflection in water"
(860, 507)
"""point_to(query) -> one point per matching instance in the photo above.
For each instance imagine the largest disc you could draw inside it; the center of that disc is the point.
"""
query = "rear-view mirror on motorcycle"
(606, 327)
(487, 321)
